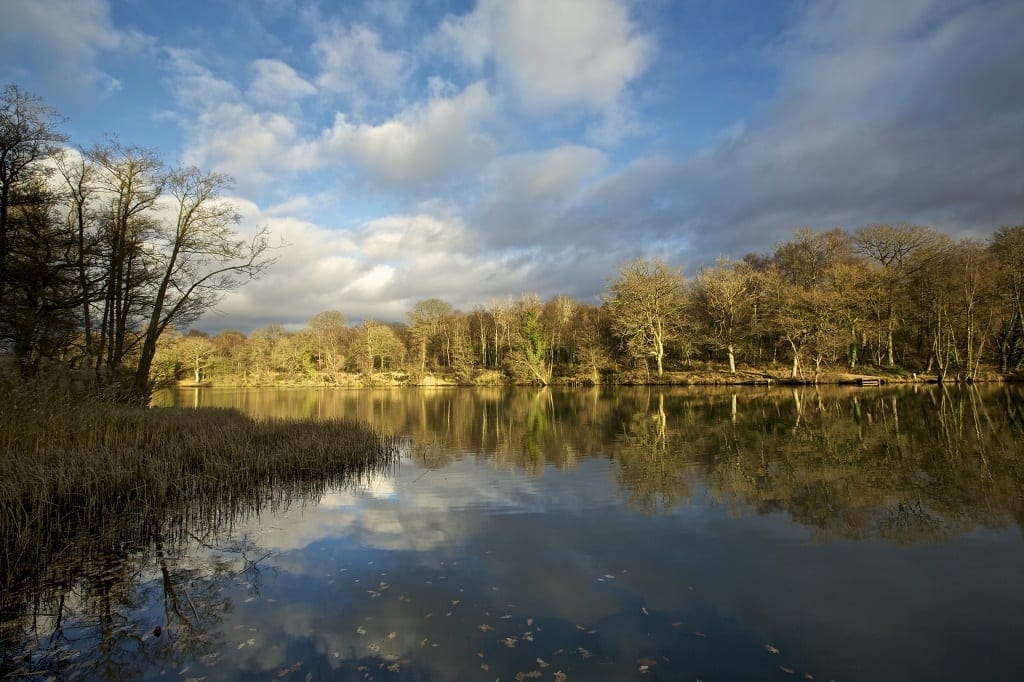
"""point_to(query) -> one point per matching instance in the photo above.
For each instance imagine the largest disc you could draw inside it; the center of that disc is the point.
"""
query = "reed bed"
(79, 472)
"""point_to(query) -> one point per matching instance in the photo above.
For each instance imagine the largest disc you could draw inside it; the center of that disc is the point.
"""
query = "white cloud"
(275, 83)
(422, 145)
(63, 38)
(354, 62)
(554, 54)
(250, 146)
(397, 236)
(551, 175)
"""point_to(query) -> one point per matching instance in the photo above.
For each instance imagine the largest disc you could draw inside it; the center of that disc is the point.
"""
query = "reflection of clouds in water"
(409, 510)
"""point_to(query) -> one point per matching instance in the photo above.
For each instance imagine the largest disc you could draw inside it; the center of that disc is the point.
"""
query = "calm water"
(680, 534)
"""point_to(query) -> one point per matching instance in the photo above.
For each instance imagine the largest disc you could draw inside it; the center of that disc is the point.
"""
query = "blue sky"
(478, 149)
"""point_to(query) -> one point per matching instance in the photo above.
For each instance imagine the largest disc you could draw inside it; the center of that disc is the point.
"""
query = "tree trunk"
(732, 359)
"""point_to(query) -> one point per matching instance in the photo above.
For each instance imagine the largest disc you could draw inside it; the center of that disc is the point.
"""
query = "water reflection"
(904, 465)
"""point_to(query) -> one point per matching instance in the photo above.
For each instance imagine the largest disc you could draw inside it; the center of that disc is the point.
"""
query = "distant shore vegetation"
(895, 302)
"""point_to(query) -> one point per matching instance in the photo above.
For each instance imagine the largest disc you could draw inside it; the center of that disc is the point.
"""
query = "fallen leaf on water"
(394, 668)
(532, 675)
(771, 649)
(608, 576)
(542, 663)
(527, 636)
(677, 624)
(485, 667)
(484, 627)
(643, 669)
(423, 643)
(646, 662)
(373, 647)
(786, 670)
(392, 635)
(591, 632)
(808, 676)
(510, 642)
(581, 628)
(429, 615)
(699, 633)
(561, 677)
(529, 622)
(360, 630)
(584, 653)
(284, 672)
(644, 609)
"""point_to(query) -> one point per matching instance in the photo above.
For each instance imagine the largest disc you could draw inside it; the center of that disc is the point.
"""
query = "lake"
(579, 534)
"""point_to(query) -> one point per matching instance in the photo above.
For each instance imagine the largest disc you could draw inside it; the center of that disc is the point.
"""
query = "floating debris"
(294, 667)
(771, 649)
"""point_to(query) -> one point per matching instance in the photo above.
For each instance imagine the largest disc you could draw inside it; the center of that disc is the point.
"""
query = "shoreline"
(701, 377)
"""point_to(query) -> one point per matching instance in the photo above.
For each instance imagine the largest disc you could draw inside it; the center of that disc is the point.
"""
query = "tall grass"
(74, 469)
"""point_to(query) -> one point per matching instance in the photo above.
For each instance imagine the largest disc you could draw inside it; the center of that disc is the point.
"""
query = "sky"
(472, 150)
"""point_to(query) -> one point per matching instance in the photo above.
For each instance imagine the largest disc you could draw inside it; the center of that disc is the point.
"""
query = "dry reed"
(75, 468)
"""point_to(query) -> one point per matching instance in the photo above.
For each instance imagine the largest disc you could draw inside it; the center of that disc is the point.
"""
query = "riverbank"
(692, 377)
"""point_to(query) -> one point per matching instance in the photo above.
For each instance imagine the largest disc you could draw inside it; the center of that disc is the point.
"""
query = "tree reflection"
(904, 465)
(123, 597)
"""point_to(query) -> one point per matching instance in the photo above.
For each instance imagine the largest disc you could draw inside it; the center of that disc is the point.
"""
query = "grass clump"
(75, 468)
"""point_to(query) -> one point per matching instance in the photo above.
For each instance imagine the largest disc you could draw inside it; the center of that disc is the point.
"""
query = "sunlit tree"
(646, 306)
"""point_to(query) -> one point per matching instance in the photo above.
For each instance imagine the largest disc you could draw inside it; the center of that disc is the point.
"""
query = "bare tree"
(199, 257)
(723, 299)
(900, 252)
(28, 134)
(428, 322)
(646, 305)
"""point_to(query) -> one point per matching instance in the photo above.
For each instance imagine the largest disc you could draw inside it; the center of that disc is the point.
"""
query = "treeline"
(895, 298)
(103, 249)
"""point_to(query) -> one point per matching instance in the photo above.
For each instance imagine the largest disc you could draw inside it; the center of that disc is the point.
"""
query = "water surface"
(678, 534)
